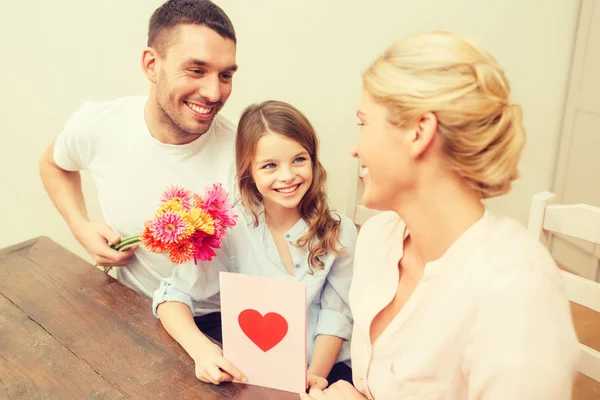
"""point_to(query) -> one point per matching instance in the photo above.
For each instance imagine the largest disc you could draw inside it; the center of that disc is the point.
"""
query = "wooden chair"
(580, 221)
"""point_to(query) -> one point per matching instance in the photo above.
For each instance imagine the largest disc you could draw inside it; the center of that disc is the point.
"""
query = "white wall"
(311, 53)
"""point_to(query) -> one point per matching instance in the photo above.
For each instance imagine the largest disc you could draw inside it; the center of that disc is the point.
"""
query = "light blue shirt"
(252, 250)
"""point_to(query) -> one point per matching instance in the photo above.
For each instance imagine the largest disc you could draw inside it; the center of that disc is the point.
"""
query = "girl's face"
(282, 171)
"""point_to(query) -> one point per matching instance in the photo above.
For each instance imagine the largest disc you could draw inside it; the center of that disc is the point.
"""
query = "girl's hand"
(212, 367)
(317, 382)
(341, 390)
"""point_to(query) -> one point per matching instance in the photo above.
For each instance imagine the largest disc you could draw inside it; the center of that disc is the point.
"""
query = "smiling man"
(137, 146)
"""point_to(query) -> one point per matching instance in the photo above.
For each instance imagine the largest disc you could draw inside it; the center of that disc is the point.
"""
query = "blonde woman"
(450, 301)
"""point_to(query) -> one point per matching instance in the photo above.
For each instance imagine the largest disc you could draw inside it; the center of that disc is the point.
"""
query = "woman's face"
(384, 152)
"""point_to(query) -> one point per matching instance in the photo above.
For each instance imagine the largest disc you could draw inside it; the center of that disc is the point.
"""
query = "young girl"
(286, 230)
(450, 300)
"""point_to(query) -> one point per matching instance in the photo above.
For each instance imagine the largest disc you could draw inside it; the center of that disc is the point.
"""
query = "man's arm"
(64, 189)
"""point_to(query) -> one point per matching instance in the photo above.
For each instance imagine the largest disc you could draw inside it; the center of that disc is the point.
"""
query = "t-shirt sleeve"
(75, 146)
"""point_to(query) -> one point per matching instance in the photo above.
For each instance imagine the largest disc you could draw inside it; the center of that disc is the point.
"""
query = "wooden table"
(69, 331)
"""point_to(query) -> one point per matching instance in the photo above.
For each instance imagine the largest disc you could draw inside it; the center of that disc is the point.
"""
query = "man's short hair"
(177, 12)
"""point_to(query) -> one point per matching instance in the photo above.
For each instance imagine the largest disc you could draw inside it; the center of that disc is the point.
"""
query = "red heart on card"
(265, 331)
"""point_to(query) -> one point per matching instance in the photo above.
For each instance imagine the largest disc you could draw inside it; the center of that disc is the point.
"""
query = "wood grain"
(104, 325)
(34, 365)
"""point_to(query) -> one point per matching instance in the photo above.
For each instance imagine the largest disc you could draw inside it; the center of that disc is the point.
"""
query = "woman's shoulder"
(512, 259)
(511, 243)
(382, 219)
(381, 226)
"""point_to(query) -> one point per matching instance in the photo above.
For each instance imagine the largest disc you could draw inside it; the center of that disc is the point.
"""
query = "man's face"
(194, 77)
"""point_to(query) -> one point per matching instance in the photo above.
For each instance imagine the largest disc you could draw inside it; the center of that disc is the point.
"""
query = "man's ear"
(424, 132)
(149, 63)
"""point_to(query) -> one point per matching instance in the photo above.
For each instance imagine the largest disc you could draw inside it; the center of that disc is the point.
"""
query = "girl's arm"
(210, 364)
(335, 318)
(325, 353)
(174, 302)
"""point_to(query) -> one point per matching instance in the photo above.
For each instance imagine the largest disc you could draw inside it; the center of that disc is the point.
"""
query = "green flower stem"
(128, 245)
(126, 242)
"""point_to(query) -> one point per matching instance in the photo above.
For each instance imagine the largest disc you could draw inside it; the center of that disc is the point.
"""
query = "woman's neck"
(281, 219)
(437, 215)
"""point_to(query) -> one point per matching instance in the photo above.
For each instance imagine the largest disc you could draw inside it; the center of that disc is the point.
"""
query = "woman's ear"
(149, 63)
(424, 132)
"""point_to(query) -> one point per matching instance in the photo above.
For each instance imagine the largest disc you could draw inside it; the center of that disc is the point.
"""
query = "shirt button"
(287, 235)
(297, 265)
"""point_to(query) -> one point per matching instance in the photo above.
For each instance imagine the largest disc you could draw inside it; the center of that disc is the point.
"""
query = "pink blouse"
(489, 320)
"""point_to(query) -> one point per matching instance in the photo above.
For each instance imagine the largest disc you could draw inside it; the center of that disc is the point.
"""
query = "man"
(135, 147)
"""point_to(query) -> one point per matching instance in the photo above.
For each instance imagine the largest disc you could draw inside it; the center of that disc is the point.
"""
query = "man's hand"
(317, 382)
(96, 238)
(212, 367)
(340, 390)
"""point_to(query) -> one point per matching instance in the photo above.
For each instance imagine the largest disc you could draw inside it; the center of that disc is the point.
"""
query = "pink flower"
(215, 197)
(223, 220)
(204, 245)
(179, 195)
(219, 229)
(169, 227)
(216, 204)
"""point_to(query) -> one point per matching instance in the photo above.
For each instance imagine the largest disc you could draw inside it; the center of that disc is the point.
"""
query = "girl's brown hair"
(284, 119)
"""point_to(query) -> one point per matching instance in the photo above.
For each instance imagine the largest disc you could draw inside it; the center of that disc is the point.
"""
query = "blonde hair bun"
(444, 73)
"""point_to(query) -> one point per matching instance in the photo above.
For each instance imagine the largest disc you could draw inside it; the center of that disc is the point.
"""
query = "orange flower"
(198, 202)
(150, 242)
(181, 252)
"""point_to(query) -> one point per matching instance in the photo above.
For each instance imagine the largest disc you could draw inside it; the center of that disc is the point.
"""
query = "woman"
(450, 301)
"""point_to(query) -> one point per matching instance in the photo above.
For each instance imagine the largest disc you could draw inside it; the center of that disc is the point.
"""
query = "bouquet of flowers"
(186, 225)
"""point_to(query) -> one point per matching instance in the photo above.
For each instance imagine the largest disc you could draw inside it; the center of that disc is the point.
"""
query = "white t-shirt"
(131, 169)
(489, 320)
